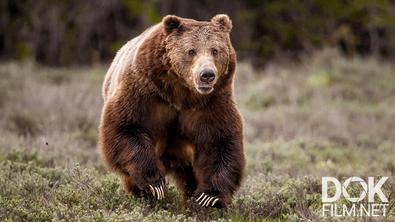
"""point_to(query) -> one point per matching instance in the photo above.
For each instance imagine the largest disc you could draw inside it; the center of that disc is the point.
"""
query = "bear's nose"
(207, 76)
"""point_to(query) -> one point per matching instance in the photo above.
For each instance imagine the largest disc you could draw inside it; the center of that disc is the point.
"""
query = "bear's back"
(122, 62)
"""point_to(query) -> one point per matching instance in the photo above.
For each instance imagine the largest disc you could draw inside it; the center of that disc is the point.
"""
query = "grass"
(328, 116)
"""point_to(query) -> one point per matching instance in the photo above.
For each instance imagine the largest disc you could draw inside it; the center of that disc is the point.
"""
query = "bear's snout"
(206, 81)
(207, 76)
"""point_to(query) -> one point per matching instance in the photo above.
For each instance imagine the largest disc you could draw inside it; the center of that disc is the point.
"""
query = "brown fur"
(154, 122)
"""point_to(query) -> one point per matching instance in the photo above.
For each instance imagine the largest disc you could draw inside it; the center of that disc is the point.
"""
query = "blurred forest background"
(68, 32)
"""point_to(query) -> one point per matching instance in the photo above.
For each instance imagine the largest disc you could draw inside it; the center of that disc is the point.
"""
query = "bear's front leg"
(216, 133)
(128, 148)
(144, 171)
(219, 168)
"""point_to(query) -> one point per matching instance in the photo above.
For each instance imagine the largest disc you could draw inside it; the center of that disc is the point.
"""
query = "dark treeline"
(67, 32)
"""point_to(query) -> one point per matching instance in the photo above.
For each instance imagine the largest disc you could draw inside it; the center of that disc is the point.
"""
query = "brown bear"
(169, 110)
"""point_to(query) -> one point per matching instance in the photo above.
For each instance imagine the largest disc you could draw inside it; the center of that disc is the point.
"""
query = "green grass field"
(327, 116)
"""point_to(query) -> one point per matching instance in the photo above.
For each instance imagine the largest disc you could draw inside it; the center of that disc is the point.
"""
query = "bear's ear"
(223, 21)
(171, 22)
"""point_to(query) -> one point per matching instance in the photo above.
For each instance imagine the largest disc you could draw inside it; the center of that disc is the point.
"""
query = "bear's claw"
(157, 191)
(204, 200)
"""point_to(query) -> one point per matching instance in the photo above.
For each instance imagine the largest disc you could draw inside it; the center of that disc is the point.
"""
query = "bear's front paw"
(206, 200)
(152, 184)
(158, 189)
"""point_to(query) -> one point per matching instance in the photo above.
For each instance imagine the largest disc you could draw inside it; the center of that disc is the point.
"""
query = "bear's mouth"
(204, 89)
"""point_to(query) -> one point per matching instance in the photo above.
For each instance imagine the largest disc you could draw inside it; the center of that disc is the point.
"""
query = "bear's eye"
(214, 51)
(191, 52)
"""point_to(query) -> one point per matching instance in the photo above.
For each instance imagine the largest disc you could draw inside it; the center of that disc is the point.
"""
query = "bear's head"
(198, 52)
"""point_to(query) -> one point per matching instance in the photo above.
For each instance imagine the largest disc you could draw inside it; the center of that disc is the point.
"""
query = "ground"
(326, 116)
